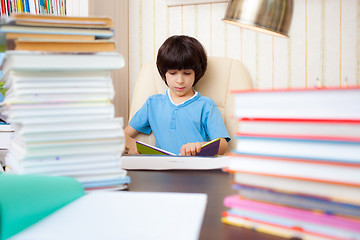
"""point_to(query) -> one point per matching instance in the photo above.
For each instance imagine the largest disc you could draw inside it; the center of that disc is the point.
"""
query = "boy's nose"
(179, 79)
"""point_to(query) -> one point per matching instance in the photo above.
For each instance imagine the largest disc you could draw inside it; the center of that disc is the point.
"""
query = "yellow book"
(26, 19)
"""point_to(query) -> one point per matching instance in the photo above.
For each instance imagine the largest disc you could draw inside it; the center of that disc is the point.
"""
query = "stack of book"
(60, 106)
(296, 163)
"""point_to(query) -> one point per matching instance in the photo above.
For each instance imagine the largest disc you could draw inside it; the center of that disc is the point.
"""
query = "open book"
(208, 149)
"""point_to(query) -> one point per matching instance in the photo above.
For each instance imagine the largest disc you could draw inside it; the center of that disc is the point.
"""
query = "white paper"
(123, 215)
(159, 162)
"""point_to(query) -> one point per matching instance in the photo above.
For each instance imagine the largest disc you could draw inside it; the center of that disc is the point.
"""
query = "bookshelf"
(53, 7)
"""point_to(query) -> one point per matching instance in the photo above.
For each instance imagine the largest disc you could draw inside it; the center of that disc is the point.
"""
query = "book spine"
(27, 5)
(64, 7)
(7, 8)
(15, 6)
(48, 6)
(20, 6)
(293, 213)
(3, 8)
(12, 7)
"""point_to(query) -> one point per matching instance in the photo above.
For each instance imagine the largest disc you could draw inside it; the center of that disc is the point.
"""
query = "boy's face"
(180, 82)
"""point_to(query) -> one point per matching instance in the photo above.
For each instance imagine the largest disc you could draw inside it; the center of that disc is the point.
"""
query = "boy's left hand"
(190, 149)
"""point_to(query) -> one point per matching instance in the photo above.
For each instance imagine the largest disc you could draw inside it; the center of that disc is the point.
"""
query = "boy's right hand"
(132, 151)
(191, 149)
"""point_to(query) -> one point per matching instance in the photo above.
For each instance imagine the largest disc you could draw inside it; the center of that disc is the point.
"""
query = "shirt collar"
(168, 93)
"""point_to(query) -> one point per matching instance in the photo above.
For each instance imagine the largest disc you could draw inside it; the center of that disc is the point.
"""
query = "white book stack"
(60, 107)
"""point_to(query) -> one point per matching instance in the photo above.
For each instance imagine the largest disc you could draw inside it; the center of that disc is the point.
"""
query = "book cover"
(324, 103)
(26, 199)
(96, 32)
(108, 215)
(336, 192)
(299, 127)
(285, 228)
(40, 61)
(208, 149)
(18, 35)
(297, 169)
(57, 45)
(314, 222)
(337, 149)
(304, 201)
(59, 21)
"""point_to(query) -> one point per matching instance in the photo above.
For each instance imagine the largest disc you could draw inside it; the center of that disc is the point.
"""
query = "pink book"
(293, 213)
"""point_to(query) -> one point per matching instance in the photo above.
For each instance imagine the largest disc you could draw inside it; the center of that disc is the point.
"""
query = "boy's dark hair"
(182, 52)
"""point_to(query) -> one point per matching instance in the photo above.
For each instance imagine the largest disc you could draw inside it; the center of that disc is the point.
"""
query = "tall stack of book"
(296, 165)
(59, 102)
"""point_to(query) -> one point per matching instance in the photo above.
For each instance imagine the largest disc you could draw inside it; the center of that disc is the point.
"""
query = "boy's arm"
(223, 146)
(130, 141)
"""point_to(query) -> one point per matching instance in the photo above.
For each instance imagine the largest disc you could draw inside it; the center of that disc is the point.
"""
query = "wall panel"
(323, 48)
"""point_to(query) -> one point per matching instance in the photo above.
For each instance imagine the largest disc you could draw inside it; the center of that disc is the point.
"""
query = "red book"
(3, 7)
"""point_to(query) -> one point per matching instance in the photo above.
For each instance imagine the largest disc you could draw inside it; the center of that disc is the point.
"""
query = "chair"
(222, 75)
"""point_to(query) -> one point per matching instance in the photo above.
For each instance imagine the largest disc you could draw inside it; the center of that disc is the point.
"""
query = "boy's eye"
(172, 72)
(187, 73)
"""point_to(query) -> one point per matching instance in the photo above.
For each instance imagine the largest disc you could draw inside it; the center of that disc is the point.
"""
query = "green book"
(208, 149)
(26, 199)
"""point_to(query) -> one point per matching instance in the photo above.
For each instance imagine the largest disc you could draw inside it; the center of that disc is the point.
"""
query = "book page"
(123, 215)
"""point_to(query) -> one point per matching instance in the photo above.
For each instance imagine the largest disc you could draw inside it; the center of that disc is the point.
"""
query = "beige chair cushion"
(222, 75)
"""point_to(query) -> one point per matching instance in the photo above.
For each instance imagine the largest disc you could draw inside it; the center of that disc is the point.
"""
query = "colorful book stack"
(59, 104)
(9, 7)
(296, 164)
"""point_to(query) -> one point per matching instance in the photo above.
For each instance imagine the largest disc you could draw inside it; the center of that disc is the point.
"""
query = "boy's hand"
(132, 151)
(190, 149)
(130, 141)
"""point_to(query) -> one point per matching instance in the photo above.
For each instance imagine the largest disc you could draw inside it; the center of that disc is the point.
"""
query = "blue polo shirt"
(196, 120)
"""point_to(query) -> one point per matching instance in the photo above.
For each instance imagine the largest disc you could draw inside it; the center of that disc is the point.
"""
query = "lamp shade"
(268, 16)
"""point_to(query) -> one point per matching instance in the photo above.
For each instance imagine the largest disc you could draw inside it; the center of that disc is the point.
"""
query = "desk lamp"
(267, 16)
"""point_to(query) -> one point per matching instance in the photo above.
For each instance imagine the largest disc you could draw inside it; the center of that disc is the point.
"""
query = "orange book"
(58, 45)
(17, 35)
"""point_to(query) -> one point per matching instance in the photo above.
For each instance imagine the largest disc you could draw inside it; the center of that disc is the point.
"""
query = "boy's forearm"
(130, 141)
(223, 146)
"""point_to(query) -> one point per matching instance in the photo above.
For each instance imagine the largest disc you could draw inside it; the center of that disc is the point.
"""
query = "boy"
(182, 120)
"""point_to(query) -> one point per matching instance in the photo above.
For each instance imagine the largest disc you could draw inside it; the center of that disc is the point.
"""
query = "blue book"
(311, 148)
(298, 200)
(26, 6)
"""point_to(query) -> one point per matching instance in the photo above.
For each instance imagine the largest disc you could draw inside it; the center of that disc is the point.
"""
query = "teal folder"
(26, 199)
